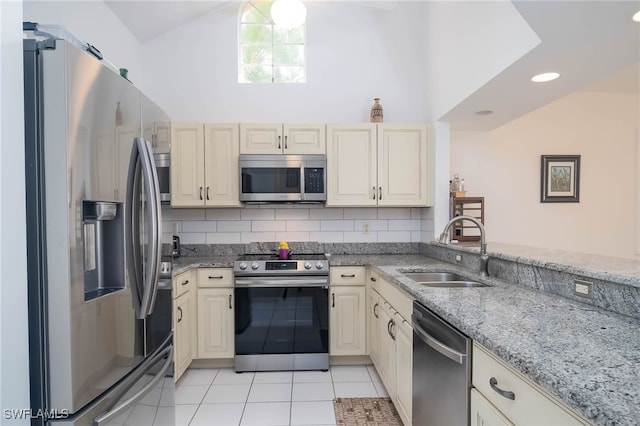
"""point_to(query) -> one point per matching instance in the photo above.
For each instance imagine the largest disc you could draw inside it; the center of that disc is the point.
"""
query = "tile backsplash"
(297, 222)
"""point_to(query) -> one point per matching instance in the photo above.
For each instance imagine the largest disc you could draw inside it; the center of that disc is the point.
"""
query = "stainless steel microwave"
(163, 168)
(283, 178)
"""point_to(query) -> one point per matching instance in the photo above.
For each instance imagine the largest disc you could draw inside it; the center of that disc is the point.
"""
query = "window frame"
(273, 46)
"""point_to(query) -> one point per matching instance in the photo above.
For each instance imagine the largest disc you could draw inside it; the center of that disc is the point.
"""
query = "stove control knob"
(254, 265)
(242, 266)
(319, 265)
(307, 265)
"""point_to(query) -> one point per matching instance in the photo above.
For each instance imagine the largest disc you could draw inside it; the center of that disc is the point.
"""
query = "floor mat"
(365, 412)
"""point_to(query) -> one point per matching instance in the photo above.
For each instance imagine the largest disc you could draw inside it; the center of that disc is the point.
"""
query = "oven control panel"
(287, 267)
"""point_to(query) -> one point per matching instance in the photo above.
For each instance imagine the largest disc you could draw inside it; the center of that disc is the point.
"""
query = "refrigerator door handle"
(145, 285)
(118, 409)
(155, 224)
(132, 231)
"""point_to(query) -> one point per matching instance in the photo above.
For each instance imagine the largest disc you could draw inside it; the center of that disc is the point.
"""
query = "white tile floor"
(222, 397)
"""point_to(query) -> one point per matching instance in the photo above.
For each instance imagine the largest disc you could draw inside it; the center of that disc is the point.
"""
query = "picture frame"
(560, 179)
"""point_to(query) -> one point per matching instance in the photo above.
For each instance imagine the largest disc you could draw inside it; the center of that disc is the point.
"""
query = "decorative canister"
(376, 111)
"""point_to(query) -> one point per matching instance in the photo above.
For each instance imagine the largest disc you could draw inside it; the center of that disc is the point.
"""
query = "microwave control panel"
(314, 180)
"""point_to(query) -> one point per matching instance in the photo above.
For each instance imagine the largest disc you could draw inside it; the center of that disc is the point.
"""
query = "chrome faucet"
(484, 257)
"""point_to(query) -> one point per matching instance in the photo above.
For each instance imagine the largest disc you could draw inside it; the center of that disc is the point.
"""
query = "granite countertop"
(624, 271)
(182, 264)
(587, 357)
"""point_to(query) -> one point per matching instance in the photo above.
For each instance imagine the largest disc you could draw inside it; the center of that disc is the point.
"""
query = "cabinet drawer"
(215, 277)
(530, 405)
(348, 275)
(182, 283)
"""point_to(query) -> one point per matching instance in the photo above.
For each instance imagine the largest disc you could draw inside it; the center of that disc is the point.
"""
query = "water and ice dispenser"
(103, 229)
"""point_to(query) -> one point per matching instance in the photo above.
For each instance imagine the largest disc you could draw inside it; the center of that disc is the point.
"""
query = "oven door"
(281, 316)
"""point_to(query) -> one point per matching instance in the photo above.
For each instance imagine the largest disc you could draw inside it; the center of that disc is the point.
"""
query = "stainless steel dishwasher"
(441, 371)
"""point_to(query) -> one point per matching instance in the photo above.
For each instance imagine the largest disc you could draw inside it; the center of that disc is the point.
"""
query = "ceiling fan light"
(636, 17)
(288, 13)
(544, 77)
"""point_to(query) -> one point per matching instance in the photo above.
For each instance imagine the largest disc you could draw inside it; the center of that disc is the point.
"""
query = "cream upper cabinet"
(159, 134)
(403, 172)
(221, 151)
(379, 165)
(204, 165)
(276, 138)
(187, 165)
(351, 165)
(514, 396)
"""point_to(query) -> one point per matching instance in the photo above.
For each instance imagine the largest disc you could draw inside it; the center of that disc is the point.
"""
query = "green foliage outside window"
(268, 53)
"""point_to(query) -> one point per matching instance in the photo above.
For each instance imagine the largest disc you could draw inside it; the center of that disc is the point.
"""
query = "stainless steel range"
(281, 312)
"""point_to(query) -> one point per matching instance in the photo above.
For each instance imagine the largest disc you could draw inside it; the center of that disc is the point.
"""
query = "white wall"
(504, 167)
(93, 22)
(355, 52)
(14, 356)
(469, 43)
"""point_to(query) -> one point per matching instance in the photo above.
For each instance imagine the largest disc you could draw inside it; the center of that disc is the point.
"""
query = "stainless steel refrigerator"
(99, 322)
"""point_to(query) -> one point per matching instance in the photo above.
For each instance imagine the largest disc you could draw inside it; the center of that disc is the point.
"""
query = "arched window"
(267, 52)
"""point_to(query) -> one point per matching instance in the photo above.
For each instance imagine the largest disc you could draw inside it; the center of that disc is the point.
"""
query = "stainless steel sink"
(442, 279)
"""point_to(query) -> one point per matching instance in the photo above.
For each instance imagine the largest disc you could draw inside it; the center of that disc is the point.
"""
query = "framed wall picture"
(560, 176)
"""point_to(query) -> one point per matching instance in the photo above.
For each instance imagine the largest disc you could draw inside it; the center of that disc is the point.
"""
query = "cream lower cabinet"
(215, 313)
(204, 165)
(347, 310)
(379, 165)
(391, 341)
(373, 325)
(513, 398)
(485, 414)
(183, 322)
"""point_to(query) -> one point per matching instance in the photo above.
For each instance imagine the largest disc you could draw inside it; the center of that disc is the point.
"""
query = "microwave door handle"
(303, 194)
(132, 231)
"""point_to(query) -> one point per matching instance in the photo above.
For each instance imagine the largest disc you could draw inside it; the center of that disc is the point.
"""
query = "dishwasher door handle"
(434, 343)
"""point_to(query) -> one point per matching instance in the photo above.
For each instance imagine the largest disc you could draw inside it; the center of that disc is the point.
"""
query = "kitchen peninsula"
(582, 354)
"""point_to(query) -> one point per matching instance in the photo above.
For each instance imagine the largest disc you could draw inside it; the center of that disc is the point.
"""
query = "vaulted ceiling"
(594, 45)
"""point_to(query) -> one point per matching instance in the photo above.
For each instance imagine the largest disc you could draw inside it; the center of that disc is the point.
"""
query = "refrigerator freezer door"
(94, 343)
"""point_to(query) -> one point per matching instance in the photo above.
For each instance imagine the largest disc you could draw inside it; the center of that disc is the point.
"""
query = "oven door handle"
(275, 282)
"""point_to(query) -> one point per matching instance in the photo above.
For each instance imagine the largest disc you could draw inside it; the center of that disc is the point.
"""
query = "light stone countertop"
(615, 269)
(587, 357)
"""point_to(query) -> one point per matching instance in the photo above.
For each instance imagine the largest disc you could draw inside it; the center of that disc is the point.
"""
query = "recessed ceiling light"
(547, 76)
(484, 112)
(636, 17)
